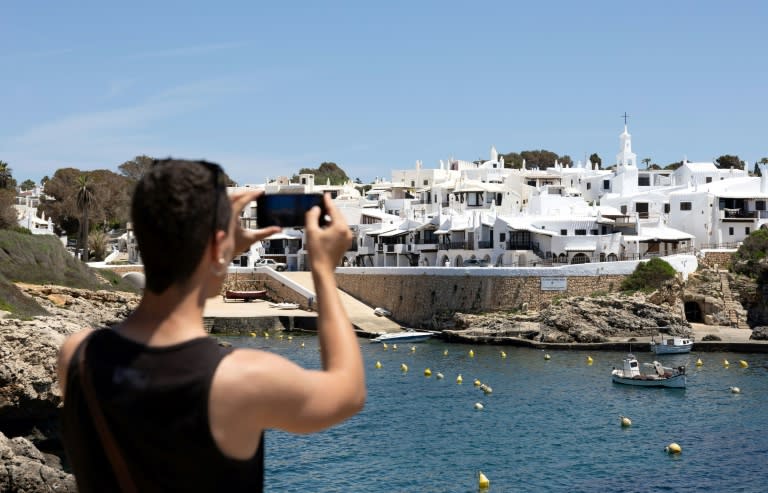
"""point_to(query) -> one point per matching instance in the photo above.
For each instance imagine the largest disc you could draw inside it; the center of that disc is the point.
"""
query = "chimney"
(763, 177)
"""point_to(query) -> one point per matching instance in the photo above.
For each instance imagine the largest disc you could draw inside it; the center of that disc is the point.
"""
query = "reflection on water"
(548, 425)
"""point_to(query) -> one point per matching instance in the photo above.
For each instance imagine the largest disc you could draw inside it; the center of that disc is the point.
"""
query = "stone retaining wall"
(720, 258)
(414, 298)
(276, 291)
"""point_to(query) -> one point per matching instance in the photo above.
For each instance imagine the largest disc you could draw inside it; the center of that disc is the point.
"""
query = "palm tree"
(84, 201)
(646, 161)
(5, 175)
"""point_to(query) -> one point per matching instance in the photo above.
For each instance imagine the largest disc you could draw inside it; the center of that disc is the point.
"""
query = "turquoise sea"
(548, 425)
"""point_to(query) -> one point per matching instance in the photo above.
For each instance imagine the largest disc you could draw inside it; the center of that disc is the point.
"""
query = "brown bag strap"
(119, 466)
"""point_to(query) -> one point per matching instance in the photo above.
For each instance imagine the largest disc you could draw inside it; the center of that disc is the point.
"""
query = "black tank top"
(155, 401)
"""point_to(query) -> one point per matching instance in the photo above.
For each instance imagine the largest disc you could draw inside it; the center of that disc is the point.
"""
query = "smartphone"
(287, 210)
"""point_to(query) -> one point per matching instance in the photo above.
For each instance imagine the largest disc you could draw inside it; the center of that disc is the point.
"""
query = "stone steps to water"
(732, 307)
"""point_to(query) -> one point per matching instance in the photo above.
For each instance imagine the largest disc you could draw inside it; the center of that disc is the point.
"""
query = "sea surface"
(548, 425)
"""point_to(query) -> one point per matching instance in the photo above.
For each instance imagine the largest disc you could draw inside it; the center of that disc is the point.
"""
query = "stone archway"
(612, 257)
(580, 258)
(445, 260)
(693, 312)
(500, 260)
(487, 259)
(459, 261)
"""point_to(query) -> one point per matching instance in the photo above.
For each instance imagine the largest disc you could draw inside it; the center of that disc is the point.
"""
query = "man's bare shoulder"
(66, 352)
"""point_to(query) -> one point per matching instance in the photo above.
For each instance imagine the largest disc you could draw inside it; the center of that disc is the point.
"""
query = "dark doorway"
(693, 312)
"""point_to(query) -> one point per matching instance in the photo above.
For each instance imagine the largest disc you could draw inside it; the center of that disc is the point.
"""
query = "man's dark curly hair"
(177, 206)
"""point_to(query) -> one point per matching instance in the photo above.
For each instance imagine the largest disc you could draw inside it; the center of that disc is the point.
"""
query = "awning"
(376, 232)
(580, 248)
(394, 232)
(282, 236)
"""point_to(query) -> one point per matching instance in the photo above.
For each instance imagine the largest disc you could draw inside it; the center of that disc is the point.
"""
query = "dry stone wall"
(415, 298)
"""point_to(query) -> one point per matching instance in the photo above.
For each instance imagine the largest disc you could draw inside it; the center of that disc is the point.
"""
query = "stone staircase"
(733, 309)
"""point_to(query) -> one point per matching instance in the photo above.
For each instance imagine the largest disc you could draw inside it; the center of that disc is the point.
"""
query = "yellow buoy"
(483, 482)
(427, 372)
(743, 364)
(384, 345)
(253, 334)
(394, 347)
(445, 353)
(486, 389)
(471, 353)
(589, 360)
(547, 357)
(404, 367)
(726, 363)
(413, 349)
(378, 364)
(479, 406)
(302, 344)
(503, 354)
(280, 337)
(290, 338)
(478, 382)
(266, 335)
(735, 390)
(459, 379)
(439, 376)
(673, 448)
(625, 421)
(699, 362)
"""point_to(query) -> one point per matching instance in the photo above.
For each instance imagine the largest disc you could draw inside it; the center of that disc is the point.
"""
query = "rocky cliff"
(29, 391)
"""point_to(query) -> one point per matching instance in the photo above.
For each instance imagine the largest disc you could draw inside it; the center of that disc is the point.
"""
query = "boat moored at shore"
(672, 345)
(405, 336)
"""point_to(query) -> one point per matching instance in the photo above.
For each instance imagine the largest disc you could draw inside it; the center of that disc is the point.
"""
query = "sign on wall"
(554, 283)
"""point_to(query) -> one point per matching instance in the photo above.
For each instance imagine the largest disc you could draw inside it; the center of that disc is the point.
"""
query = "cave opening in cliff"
(693, 312)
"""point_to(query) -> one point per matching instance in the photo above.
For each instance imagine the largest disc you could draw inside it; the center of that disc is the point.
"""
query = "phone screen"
(287, 210)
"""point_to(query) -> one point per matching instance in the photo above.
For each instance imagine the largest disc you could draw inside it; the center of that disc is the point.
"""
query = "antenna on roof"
(625, 116)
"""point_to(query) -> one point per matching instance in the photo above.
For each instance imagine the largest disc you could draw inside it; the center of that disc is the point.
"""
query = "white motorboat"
(661, 377)
(672, 345)
(405, 336)
(284, 306)
(382, 312)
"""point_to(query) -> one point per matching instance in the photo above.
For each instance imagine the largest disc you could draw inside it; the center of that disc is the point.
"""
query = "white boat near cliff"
(406, 336)
(672, 345)
(662, 376)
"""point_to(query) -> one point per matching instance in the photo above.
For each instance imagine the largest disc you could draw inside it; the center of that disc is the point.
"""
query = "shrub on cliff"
(751, 259)
(649, 276)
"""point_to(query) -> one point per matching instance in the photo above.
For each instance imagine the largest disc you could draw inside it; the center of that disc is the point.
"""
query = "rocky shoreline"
(29, 392)
(30, 399)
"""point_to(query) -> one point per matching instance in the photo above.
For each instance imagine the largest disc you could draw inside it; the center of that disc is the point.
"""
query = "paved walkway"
(360, 314)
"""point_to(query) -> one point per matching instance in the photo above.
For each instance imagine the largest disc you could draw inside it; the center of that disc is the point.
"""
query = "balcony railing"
(519, 245)
(484, 244)
(738, 214)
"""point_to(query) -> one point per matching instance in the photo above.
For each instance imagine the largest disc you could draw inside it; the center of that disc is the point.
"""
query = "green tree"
(539, 158)
(513, 160)
(756, 171)
(84, 194)
(7, 211)
(98, 242)
(594, 158)
(751, 259)
(728, 161)
(648, 276)
(566, 160)
(646, 161)
(136, 167)
(27, 185)
(327, 171)
(6, 178)
(673, 166)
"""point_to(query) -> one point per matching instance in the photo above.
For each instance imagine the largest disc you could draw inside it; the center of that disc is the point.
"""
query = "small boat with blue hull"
(661, 377)
(405, 336)
(672, 345)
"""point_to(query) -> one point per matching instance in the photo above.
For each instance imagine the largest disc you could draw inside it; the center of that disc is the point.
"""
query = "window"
(593, 232)
(666, 208)
(623, 209)
(644, 181)
(760, 205)
(685, 206)
(426, 182)
(606, 184)
(730, 231)
(413, 183)
(502, 237)
(709, 179)
(589, 186)
(581, 232)
(532, 183)
(563, 232)
(604, 229)
(746, 231)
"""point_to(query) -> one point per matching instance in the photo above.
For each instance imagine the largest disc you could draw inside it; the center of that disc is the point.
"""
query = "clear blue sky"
(266, 88)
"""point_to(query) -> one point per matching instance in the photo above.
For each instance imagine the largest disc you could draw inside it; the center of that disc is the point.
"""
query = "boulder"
(759, 333)
(24, 468)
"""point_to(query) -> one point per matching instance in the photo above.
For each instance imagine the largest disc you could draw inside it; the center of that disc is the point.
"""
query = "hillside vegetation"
(42, 259)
